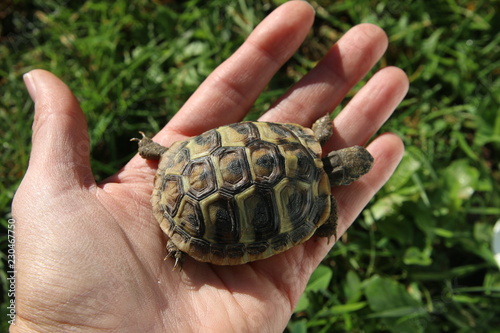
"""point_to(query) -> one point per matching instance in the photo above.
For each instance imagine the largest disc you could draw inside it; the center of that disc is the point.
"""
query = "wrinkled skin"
(90, 256)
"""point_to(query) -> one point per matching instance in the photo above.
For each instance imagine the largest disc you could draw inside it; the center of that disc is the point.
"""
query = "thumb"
(60, 154)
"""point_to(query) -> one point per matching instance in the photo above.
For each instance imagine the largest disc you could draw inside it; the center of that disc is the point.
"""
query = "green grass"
(419, 258)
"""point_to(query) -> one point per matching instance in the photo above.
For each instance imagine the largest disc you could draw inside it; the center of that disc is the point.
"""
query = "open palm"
(90, 256)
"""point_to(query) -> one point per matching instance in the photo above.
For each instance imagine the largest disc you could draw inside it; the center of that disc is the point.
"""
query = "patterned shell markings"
(242, 192)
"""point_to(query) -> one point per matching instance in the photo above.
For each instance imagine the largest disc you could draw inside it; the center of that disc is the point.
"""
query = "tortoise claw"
(174, 252)
(148, 149)
(137, 139)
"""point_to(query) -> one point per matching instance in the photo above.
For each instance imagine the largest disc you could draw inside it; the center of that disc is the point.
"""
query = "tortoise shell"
(242, 192)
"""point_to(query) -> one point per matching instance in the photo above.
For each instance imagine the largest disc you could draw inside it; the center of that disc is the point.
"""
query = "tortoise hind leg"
(323, 129)
(148, 149)
(174, 252)
(329, 228)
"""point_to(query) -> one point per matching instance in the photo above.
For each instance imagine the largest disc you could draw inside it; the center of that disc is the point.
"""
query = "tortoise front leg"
(323, 129)
(148, 149)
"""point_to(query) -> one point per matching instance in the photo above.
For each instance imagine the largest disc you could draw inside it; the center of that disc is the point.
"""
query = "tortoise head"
(346, 165)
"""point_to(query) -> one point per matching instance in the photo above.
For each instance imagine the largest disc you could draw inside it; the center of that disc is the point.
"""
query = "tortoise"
(249, 190)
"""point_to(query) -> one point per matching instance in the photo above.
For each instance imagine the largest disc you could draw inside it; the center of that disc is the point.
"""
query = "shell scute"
(171, 193)
(221, 221)
(258, 247)
(199, 178)
(190, 218)
(180, 158)
(258, 214)
(267, 163)
(239, 134)
(280, 242)
(278, 133)
(199, 247)
(300, 162)
(204, 144)
(295, 203)
(233, 168)
(234, 251)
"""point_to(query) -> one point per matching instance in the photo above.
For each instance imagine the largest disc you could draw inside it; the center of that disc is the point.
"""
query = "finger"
(387, 151)
(369, 108)
(322, 89)
(60, 144)
(229, 92)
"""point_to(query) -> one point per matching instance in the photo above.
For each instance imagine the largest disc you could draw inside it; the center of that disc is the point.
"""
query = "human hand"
(90, 256)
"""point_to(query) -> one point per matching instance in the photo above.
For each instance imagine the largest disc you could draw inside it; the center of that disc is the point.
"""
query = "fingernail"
(30, 85)
(310, 4)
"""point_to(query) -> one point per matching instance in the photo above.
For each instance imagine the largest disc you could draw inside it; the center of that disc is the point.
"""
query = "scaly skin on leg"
(323, 129)
(148, 149)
